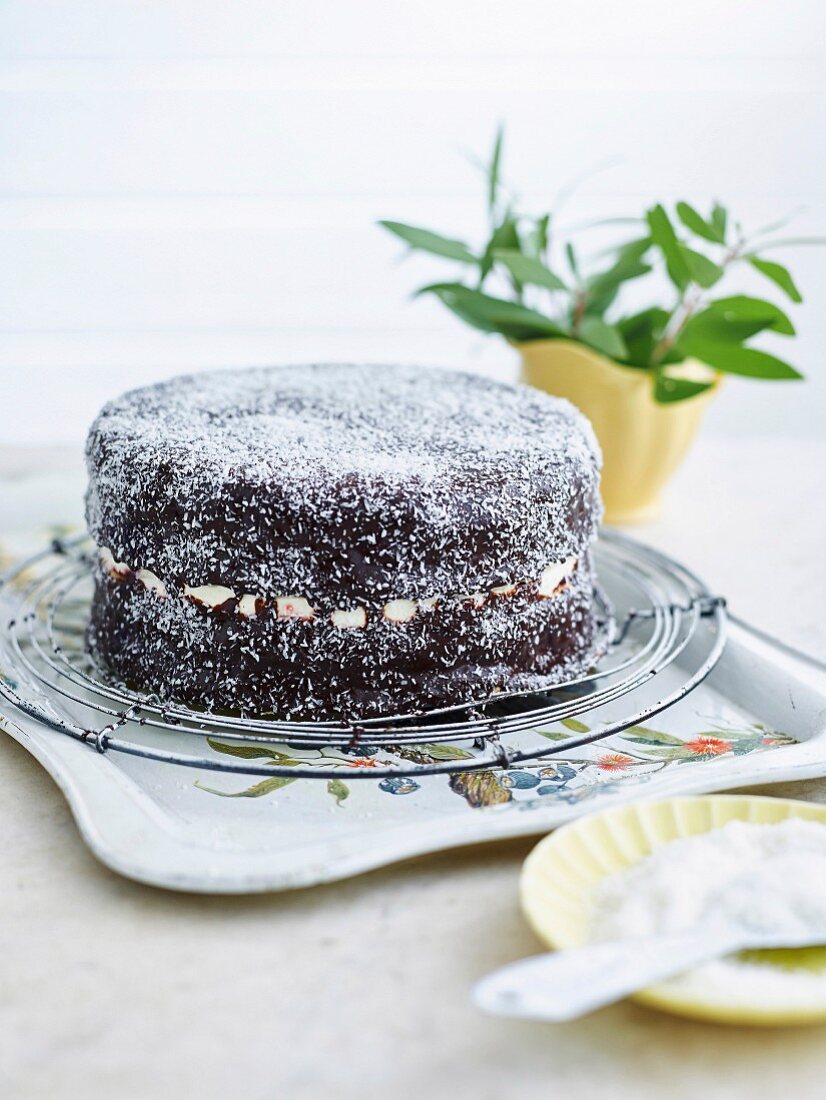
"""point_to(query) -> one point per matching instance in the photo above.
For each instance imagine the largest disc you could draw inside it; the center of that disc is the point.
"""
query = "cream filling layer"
(553, 579)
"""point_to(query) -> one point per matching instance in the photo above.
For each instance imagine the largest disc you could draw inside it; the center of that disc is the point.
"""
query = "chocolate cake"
(341, 542)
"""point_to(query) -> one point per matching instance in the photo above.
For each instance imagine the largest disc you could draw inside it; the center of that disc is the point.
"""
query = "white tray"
(759, 718)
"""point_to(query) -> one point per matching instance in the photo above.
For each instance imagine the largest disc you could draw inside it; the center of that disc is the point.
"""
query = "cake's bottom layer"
(449, 654)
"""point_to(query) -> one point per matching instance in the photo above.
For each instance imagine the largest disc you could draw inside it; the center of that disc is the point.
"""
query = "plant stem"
(689, 302)
(580, 302)
(685, 308)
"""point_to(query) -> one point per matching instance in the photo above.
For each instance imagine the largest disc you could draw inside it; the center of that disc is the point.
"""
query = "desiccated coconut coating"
(364, 482)
(311, 669)
(354, 489)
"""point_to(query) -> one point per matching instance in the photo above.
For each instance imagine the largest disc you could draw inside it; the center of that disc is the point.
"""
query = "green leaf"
(719, 219)
(670, 754)
(422, 240)
(444, 751)
(642, 332)
(735, 319)
(338, 789)
(604, 287)
(628, 265)
(570, 254)
(599, 222)
(598, 334)
(746, 745)
(488, 314)
(793, 242)
(252, 752)
(737, 360)
(597, 305)
(703, 271)
(266, 786)
(505, 237)
(553, 735)
(574, 725)
(634, 249)
(664, 237)
(698, 225)
(779, 275)
(494, 169)
(773, 227)
(668, 390)
(647, 736)
(528, 270)
(538, 235)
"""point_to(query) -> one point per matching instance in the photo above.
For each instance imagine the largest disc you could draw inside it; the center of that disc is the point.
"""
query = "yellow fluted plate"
(560, 873)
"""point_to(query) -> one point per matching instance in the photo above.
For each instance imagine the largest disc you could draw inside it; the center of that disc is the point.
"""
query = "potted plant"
(644, 377)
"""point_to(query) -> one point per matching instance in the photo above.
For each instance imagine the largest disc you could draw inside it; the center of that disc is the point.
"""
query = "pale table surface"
(111, 989)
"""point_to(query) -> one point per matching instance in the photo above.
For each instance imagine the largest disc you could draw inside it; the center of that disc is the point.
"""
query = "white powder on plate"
(761, 876)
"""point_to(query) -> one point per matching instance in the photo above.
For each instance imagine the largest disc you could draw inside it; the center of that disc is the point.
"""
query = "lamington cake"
(337, 542)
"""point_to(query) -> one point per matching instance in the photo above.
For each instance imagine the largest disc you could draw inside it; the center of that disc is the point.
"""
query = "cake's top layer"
(389, 423)
(366, 481)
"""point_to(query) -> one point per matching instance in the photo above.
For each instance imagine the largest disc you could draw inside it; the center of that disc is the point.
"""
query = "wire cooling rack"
(663, 635)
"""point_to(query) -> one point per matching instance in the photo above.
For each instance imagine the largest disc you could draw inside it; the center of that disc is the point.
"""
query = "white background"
(189, 184)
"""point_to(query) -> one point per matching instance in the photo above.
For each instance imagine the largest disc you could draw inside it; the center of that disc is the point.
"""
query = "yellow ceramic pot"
(642, 441)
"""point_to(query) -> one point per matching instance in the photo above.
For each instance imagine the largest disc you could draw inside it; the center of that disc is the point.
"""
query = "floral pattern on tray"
(631, 758)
